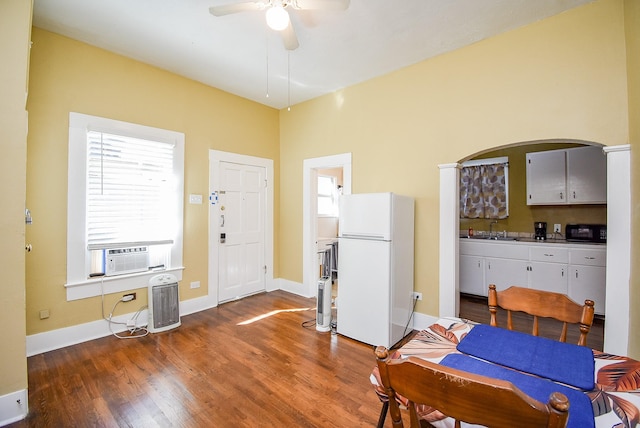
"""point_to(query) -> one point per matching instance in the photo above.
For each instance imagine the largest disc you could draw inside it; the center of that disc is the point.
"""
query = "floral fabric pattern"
(483, 192)
(615, 399)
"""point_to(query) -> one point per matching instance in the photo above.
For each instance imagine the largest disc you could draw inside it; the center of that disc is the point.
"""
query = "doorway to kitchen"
(311, 170)
(618, 244)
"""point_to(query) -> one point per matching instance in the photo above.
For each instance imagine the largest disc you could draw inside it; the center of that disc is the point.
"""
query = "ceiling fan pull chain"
(288, 80)
(266, 38)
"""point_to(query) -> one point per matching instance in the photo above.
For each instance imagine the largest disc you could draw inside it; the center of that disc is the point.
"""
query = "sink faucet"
(491, 228)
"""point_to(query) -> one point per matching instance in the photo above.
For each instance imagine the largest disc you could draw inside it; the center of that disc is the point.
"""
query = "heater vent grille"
(164, 303)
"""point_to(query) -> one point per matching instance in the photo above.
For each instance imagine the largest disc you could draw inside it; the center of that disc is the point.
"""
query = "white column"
(616, 326)
(449, 232)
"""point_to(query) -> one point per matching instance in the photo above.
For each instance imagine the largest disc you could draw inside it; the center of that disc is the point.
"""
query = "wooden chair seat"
(545, 304)
(464, 396)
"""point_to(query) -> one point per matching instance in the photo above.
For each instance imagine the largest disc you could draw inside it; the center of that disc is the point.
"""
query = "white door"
(241, 205)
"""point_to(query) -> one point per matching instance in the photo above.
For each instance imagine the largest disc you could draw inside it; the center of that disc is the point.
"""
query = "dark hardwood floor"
(476, 309)
(244, 363)
(255, 362)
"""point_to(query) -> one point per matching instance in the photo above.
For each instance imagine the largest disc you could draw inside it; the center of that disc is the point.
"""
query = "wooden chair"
(542, 304)
(464, 396)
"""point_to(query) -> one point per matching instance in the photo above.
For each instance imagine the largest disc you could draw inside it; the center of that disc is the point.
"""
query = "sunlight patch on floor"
(269, 314)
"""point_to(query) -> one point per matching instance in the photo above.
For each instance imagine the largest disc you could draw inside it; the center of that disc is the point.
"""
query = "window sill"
(115, 284)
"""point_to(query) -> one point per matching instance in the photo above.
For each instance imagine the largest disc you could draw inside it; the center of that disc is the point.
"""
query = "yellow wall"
(15, 27)
(67, 75)
(632, 27)
(563, 77)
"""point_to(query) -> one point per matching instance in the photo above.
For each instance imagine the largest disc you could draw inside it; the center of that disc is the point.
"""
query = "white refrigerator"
(375, 259)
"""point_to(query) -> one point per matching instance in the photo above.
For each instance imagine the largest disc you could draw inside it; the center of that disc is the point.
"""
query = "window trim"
(77, 284)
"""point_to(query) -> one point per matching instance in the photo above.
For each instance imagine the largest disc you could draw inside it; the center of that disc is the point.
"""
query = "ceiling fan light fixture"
(277, 18)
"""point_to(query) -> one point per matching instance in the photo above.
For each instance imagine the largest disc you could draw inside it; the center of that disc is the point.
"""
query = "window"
(327, 196)
(125, 190)
(484, 188)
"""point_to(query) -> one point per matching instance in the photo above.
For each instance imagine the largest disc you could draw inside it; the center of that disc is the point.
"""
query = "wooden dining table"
(615, 397)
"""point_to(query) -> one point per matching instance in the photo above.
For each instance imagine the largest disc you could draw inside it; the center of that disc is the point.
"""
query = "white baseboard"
(13, 407)
(296, 288)
(422, 321)
(63, 337)
(56, 339)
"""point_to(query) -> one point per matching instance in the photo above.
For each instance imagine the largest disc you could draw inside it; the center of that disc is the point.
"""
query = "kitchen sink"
(493, 238)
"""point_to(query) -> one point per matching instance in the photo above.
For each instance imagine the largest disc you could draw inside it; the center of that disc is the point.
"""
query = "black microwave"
(586, 232)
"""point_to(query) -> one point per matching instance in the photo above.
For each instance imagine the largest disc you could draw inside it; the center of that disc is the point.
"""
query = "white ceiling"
(238, 54)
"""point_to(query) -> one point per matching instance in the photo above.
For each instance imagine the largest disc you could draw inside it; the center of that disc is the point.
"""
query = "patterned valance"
(483, 191)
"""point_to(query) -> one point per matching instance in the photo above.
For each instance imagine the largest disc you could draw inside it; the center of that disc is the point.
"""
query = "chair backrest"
(464, 396)
(545, 304)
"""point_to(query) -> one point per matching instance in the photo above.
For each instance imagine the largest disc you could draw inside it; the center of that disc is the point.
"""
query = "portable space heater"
(164, 303)
(323, 309)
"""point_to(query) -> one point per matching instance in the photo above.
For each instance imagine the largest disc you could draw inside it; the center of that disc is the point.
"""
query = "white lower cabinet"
(570, 269)
(548, 277)
(587, 277)
(472, 275)
(548, 268)
(505, 272)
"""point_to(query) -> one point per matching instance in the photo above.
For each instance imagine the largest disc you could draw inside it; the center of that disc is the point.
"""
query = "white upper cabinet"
(586, 175)
(570, 176)
(547, 178)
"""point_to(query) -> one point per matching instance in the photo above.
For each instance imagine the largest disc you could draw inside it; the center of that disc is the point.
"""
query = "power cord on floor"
(309, 323)
(134, 331)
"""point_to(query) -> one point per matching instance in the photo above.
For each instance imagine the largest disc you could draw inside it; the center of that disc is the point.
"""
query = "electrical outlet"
(557, 228)
(416, 296)
(129, 297)
(195, 284)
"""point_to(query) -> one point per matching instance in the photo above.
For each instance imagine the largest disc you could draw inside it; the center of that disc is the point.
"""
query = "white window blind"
(130, 191)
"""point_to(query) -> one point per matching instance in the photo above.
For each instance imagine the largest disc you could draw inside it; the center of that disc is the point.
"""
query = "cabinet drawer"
(588, 257)
(469, 247)
(549, 254)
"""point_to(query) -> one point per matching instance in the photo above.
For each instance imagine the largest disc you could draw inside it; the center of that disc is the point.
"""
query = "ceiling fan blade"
(289, 38)
(227, 9)
(321, 4)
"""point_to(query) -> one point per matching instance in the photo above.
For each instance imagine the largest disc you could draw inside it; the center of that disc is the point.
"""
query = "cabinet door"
(546, 178)
(586, 175)
(549, 277)
(505, 272)
(588, 282)
(472, 275)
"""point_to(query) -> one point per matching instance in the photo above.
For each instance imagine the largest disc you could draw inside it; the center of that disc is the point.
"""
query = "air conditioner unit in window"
(164, 303)
(119, 261)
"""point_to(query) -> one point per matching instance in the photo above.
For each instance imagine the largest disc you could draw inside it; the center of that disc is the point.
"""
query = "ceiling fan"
(277, 15)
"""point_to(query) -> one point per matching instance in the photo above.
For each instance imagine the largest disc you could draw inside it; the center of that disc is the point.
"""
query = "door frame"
(310, 206)
(215, 158)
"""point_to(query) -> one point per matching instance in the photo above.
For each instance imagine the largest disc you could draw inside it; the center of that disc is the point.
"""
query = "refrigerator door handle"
(362, 236)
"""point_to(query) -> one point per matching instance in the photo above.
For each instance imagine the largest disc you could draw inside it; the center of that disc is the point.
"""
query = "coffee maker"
(540, 229)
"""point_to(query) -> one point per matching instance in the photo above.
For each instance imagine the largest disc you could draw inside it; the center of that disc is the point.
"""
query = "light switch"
(195, 199)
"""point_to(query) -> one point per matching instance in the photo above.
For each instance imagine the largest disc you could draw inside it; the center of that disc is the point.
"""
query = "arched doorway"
(618, 245)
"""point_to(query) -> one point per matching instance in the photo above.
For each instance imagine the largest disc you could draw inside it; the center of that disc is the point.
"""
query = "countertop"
(529, 240)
